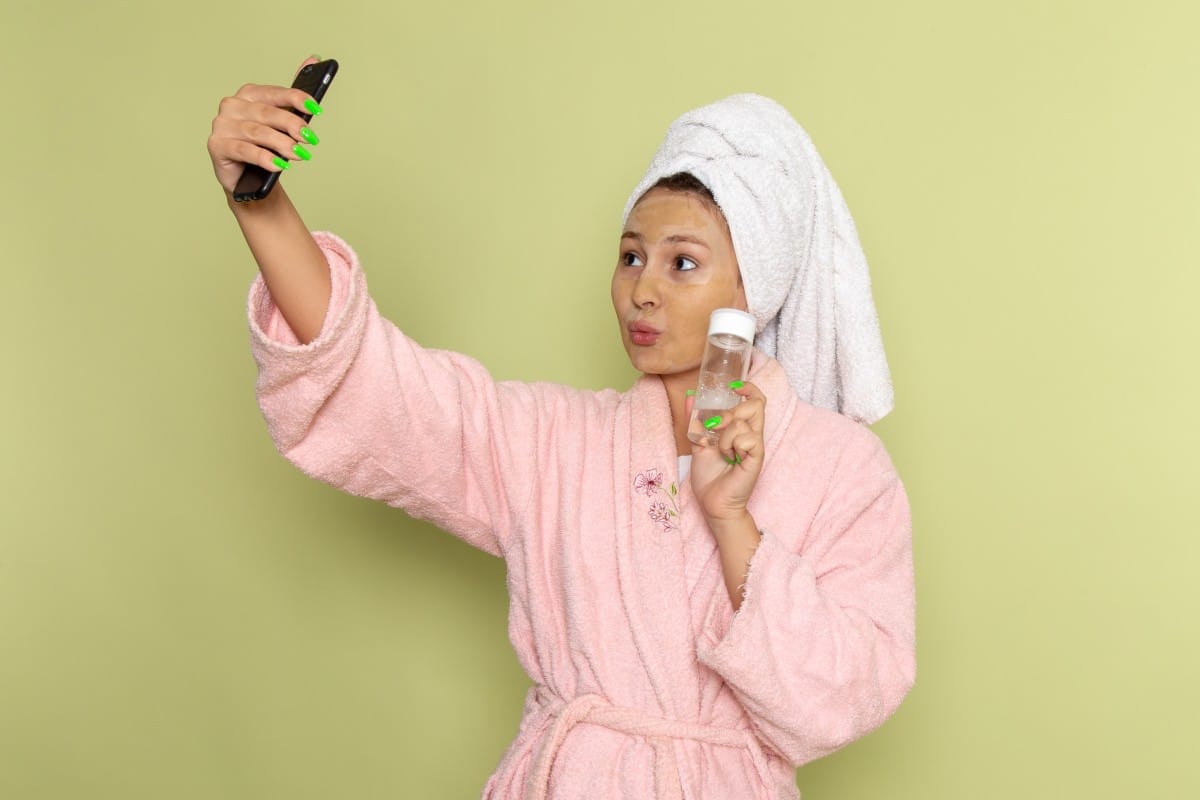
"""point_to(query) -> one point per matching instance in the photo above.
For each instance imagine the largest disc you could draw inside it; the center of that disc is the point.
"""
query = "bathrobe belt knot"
(658, 731)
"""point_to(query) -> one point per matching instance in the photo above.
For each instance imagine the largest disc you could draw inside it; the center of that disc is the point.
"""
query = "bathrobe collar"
(665, 538)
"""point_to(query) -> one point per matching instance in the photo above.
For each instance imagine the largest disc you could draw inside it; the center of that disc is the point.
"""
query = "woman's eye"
(631, 260)
(683, 264)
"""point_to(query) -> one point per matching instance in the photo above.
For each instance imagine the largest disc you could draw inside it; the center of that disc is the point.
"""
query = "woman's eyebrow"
(678, 237)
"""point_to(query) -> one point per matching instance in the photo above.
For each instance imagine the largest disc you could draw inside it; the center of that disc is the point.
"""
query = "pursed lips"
(643, 334)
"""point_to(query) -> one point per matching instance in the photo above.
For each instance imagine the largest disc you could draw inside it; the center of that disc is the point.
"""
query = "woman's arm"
(822, 649)
(723, 477)
(367, 410)
(255, 126)
(293, 267)
(347, 397)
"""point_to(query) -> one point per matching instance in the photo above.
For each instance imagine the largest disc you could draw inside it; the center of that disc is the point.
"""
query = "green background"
(184, 615)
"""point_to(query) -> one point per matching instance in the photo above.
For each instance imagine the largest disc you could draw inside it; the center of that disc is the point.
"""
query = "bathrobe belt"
(594, 709)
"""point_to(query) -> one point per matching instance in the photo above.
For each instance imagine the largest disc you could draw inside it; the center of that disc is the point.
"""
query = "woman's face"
(676, 265)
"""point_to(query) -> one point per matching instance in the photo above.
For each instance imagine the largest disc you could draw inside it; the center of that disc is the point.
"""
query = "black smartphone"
(256, 182)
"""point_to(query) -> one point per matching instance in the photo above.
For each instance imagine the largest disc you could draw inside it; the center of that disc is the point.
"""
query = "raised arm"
(347, 396)
(366, 409)
(254, 126)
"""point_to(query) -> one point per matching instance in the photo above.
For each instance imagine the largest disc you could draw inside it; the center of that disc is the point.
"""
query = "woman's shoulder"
(814, 435)
(851, 441)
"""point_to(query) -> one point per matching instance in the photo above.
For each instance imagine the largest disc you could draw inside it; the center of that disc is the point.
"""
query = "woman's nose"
(646, 292)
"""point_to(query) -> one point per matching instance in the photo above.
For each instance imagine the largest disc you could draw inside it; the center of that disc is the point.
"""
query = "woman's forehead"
(666, 208)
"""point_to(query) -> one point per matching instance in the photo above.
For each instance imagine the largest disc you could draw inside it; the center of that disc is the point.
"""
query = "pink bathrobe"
(646, 684)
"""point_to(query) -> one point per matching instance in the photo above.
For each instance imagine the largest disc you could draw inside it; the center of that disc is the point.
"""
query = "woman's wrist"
(737, 539)
(274, 205)
(738, 523)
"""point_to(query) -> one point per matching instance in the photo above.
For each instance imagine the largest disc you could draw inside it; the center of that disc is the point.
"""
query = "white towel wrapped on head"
(803, 268)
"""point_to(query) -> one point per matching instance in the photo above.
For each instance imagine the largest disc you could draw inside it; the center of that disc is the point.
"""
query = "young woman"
(696, 620)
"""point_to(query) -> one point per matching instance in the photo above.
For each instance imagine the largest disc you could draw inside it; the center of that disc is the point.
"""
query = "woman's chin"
(666, 371)
(646, 363)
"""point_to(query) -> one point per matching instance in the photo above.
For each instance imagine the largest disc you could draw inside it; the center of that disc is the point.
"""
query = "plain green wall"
(184, 615)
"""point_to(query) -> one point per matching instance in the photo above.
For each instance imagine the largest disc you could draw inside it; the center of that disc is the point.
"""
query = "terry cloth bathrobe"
(646, 683)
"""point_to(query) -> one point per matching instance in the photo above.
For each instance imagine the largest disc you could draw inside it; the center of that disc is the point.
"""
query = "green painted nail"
(690, 393)
(312, 107)
(729, 461)
(736, 384)
(712, 422)
(281, 163)
(309, 136)
(300, 151)
(317, 57)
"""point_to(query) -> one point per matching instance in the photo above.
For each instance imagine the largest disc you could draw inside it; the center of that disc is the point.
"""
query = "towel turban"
(802, 266)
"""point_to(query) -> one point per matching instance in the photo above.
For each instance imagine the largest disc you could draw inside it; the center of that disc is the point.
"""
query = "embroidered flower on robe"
(661, 515)
(650, 483)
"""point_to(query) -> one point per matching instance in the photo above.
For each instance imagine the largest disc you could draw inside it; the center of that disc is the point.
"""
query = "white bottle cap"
(731, 320)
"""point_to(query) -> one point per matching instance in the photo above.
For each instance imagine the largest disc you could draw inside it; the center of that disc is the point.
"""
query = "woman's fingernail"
(712, 422)
(729, 461)
(308, 136)
(690, 393)
(736, 384)
(302, 152)
(317, 57)
(281, 162)
(312, 107)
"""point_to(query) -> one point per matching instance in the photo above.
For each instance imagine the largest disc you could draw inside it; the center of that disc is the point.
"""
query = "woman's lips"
(642, 334)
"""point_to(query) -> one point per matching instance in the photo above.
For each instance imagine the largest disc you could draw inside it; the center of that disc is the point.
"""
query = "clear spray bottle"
(726, 359)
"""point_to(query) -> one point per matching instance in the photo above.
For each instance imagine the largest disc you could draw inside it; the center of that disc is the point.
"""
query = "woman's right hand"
(255, 126)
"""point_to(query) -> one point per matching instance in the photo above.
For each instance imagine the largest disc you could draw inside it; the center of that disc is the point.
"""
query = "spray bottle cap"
(732, 320)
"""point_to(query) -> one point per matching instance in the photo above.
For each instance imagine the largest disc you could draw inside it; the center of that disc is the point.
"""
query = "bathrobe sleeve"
(364, 408)
(822, 648)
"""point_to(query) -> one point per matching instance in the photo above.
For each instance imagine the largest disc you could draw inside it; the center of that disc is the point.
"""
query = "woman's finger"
(288, 142)
(750, 410)
(738, 439)
(229, 134)
(746, 445)
(247, 153)
(751, 392)
(279, 117)
(272, 128)
(261, 125)
(245, 100)
(720, 422)
(305, 63)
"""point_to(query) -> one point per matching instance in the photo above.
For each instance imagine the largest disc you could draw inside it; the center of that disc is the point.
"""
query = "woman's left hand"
(724, 475)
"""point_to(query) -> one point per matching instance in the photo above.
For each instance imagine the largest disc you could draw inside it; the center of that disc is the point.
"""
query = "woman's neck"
(677, 386)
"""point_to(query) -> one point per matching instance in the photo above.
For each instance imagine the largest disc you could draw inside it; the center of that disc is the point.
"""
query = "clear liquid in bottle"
(726, 359)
